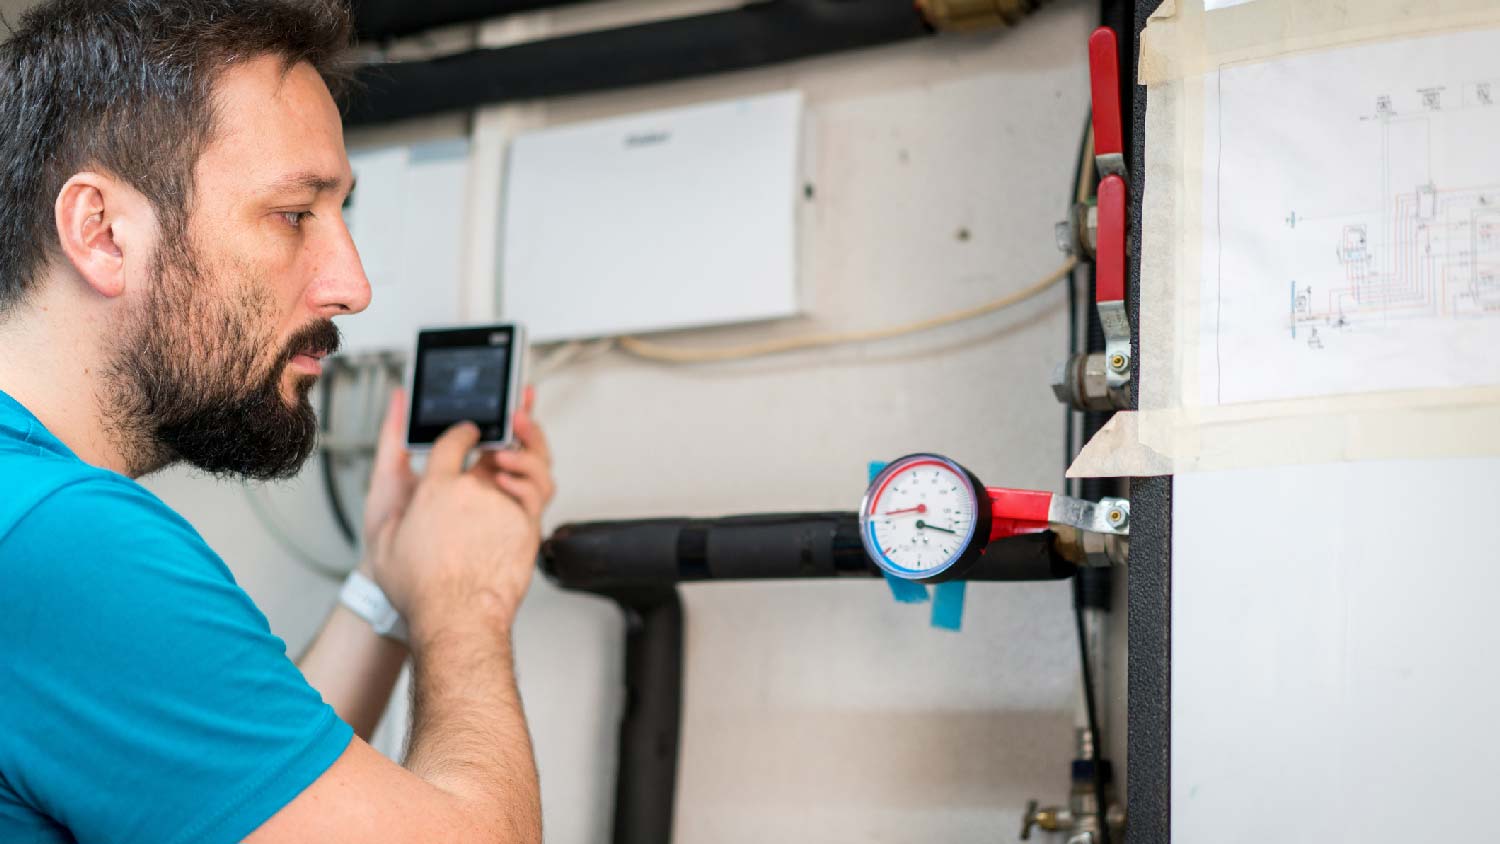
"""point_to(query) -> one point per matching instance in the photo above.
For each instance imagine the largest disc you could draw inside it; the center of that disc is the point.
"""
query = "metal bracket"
(1107, 515)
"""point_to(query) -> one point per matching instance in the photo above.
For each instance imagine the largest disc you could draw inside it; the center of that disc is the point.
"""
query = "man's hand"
(463, 550)
(525, 472)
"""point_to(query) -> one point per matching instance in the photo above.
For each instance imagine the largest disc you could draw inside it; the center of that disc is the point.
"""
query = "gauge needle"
(922, 524)
(920, 508)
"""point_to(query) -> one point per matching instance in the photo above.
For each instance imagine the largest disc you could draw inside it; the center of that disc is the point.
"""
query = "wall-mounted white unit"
(669, 219)
(407, 218)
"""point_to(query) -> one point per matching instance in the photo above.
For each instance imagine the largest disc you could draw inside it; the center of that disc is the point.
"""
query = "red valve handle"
(1104, 78)
(1109, 248)
(1017, 511)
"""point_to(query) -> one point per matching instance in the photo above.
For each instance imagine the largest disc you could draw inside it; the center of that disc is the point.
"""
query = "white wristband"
(365, 599)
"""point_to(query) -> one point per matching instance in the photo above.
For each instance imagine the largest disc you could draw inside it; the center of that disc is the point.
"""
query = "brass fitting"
(1088, 549)
(969, 15)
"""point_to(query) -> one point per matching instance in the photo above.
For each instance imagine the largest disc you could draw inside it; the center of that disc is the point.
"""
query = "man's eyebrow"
(312, 181)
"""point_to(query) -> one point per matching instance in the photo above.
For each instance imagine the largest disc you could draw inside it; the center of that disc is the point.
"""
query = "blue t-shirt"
(143, 697)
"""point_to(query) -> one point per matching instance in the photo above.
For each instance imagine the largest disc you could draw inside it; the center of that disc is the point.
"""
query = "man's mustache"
(318, 337)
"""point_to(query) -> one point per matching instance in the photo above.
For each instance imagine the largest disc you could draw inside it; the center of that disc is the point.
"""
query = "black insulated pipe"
(377, 20)
(603, 557)
(756, 35)
(650, 725)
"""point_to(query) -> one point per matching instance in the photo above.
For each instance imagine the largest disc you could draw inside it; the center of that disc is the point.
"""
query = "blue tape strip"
(948, 605)
(906, 591)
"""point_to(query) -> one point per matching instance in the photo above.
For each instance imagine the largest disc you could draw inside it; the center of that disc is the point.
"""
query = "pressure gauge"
(925, 518)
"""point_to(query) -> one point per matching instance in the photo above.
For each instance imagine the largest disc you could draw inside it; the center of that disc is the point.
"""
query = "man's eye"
(294, 218)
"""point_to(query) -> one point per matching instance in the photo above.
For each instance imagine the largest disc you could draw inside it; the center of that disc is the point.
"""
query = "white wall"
(1333, 652)
(819, 711)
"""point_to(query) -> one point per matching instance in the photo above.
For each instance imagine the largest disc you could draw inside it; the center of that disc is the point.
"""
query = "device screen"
(462, 375)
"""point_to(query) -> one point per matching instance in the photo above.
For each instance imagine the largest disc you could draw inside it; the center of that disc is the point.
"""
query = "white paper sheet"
(1352, 221)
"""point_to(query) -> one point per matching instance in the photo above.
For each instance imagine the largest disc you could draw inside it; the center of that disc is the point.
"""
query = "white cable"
(266, 516)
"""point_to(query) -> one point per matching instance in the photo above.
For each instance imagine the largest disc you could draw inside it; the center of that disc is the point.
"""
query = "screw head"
(1118, 361)
(1116, 517)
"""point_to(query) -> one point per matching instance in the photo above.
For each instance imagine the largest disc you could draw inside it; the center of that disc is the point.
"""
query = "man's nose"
(339, 285)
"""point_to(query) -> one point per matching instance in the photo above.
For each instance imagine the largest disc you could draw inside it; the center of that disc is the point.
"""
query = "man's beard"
(194, 380)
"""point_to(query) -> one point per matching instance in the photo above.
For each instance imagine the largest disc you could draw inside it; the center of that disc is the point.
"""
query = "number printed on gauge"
(920, 516)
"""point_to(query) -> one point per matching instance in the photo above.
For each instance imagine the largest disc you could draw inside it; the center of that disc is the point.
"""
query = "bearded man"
(172, 257)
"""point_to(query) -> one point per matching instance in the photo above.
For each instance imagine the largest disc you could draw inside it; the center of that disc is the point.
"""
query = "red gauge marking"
(920, 508)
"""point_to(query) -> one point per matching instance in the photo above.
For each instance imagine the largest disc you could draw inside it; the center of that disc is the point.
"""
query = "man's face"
(227, 337)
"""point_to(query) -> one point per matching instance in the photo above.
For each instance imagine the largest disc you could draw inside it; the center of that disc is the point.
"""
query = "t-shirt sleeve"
(145, 697)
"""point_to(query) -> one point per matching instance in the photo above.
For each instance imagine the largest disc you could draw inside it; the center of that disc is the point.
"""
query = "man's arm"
(354, 668)
(457, 563)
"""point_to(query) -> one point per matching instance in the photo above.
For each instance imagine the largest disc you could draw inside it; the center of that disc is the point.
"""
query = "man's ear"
(96, 216)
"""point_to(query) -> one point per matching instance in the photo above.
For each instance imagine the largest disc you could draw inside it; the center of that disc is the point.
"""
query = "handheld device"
(467, 374)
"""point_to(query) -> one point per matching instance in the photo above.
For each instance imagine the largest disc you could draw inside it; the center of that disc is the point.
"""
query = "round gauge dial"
(921, 518)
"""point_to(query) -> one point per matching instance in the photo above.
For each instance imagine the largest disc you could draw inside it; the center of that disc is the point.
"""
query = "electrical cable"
(1093, 716)
(330, 480)
(679, 354)
(273, 526)
(665, 353)
(1083, 179)
(1082, 188)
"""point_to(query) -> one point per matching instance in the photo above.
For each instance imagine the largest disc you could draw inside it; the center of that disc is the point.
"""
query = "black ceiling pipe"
(758, 34)
(376, 20)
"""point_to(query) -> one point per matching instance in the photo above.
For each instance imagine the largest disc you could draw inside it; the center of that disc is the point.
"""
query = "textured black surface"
(1148, 778)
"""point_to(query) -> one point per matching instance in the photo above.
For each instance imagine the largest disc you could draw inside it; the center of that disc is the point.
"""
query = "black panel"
(1148, 780)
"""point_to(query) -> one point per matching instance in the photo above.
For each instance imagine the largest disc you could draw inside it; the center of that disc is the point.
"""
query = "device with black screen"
(470, 374)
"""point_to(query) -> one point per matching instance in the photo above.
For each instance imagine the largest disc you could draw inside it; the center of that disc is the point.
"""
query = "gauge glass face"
(920, 516)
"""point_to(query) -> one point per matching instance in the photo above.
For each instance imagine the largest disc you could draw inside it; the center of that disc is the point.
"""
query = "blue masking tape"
(904, 591)
(948, 605)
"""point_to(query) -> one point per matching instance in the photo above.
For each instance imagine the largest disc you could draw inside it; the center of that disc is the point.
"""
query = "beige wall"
(819, 711)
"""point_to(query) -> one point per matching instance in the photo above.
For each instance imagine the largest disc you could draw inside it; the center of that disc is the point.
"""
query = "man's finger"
(451, 449)
(529, 497)
(528, 467)
(530, 436)
(391, 444)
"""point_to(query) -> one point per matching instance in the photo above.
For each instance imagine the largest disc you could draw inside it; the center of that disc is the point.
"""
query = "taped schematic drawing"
(1351, 221)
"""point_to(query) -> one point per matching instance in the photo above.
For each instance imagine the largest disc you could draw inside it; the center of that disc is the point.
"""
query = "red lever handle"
(1017, 511)
(1104, 78)
(1109, 247)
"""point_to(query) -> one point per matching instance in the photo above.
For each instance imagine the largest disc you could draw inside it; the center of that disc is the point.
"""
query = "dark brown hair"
(125, 86)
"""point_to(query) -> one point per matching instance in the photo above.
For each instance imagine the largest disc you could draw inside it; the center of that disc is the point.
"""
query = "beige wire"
(681, 354)
(1086, 166)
